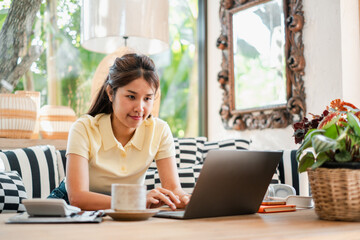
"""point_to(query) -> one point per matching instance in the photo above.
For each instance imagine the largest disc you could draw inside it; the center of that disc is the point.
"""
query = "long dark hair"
(125, 70)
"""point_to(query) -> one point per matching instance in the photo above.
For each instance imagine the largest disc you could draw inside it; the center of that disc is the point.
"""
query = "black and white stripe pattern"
(187, 176)
(188, 151)
(190, 155)
(42, 167)
(152, 179)
(229, 144)
(36, 165)
(276, 177)
(61, 161)
(288, 173)
(12, 192)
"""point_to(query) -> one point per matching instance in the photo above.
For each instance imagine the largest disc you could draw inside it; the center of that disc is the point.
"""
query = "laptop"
(231, 182)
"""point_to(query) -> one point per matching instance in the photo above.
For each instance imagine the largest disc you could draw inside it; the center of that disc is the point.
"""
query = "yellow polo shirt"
(110, 161)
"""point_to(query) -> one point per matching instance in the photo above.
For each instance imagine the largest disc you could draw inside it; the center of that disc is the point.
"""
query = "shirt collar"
(109, 139)
(106, 132)
(139, 136)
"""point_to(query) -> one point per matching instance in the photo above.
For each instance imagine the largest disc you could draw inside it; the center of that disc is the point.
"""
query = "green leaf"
(307, 141)
(320, 159)
(355, 139)
(331, 131)
(343, 134)
(3, 15)
(306, 161)
(343, 156)
(4, 11)
(341, 140)
(353, 122)
(341, 145)
(322, 143)
(311, 132)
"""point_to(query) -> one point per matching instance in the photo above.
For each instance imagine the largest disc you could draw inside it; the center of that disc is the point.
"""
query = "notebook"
(81, 217)
(231, 182)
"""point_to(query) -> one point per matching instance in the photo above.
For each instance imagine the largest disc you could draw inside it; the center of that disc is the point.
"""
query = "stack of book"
(276, 206)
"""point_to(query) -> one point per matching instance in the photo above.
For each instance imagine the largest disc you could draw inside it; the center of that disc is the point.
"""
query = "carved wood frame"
(274, 116)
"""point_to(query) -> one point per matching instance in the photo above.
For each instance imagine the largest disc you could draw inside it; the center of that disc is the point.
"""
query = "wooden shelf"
(12, 143)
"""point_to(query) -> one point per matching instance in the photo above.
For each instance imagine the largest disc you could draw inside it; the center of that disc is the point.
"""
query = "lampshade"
(107, 25)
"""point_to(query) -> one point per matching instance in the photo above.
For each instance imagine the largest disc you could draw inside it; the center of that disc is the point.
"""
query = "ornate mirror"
(262, 63)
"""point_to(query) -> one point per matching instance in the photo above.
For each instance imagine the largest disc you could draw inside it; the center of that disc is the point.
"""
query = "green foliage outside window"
(75, 66)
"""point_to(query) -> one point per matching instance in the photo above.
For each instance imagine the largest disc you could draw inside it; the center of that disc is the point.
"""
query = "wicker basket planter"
(336, 193)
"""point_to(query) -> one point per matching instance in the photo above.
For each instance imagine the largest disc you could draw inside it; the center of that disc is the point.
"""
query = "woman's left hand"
(184, 200)
(160, 196)
(183, 197)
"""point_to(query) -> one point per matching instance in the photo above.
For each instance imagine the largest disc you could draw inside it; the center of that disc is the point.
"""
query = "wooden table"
(302, 224)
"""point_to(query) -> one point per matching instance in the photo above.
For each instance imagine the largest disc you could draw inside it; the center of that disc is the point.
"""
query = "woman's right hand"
(160, 196)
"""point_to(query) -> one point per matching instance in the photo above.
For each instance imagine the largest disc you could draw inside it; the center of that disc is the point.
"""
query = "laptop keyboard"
(174, 214)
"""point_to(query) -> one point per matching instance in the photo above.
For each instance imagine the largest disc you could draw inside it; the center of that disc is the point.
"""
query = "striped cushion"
(188, 151)
(288, 173)
(229, 144)
(276, 177)
(37, 166)
(188, 178)
(61, 161)
(12, 192)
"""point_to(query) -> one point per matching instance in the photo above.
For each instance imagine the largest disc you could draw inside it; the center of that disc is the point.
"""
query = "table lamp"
(142, 25)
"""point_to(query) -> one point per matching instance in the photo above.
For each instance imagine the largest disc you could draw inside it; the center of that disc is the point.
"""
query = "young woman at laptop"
(118, 139)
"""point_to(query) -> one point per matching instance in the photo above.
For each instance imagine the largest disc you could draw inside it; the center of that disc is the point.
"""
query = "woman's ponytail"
(102, 103)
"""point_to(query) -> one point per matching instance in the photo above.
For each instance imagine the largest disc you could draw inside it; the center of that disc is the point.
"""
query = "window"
(68, 68)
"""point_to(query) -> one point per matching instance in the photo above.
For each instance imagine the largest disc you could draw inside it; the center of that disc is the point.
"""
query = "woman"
(118, 139)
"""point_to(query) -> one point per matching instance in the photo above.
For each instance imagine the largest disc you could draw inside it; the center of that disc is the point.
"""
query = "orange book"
(272, 202)
(276, 208)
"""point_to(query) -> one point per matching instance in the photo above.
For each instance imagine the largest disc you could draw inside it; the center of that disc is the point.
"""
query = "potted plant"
(329, 152)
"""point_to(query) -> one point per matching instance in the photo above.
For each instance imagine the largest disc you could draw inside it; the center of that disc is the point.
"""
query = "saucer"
(131, 215)
(300, 201)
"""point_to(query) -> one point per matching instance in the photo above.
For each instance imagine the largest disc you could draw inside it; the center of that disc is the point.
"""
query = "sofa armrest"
(37, 166)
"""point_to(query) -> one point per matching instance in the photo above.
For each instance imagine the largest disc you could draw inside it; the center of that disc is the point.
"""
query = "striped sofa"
(41, 169)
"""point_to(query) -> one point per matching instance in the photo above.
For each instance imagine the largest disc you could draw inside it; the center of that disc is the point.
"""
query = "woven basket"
(17, 116)
(336, 193)
(35, 96)
(56, 121)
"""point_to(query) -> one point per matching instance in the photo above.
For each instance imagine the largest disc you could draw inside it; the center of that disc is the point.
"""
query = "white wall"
(332, 50)
(350, 43)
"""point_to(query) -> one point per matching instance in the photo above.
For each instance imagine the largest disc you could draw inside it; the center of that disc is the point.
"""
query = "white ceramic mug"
(128, 197)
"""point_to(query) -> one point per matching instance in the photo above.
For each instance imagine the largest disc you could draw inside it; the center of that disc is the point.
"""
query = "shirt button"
(123, 154)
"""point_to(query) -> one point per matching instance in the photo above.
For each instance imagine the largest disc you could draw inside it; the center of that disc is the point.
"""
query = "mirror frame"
(279, 116)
